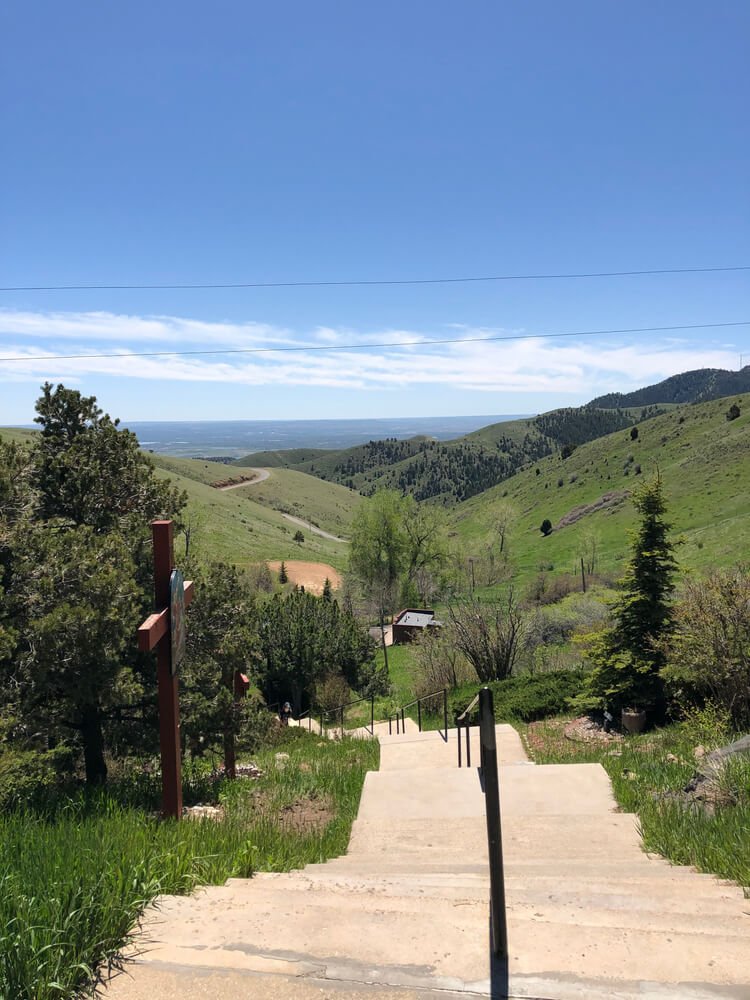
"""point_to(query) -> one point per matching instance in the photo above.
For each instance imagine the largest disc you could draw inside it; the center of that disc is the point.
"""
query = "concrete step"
(673, 892)
(230, 906)
(678, 896)
(571, 869)
(415, 751)
(230, 930)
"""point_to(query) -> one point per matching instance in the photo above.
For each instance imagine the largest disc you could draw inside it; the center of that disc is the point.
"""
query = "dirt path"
(260, 475)
(310, 575)
(313, 529)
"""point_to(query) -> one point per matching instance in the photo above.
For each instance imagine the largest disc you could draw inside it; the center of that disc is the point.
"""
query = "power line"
(190, 286)
(365, 347)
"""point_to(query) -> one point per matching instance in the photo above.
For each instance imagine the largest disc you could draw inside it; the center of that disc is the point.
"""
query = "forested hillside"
(697, 386)
(452, 471)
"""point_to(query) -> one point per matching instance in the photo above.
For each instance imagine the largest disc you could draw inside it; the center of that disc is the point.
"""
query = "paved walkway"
(404, 914)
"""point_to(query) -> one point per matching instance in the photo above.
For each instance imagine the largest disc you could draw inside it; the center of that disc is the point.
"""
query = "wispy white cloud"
(536, 365)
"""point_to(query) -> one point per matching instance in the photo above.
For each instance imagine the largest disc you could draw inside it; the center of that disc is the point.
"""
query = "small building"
(413, 622)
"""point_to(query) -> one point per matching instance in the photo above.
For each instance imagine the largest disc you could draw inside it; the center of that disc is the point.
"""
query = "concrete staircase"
(404, 914)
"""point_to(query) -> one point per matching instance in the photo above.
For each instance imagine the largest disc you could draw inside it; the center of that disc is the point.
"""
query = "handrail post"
(403, 722)
(467, 728)
(445, 712)
(372, 715)
(419, 715)
(494, 833)
(458, 734)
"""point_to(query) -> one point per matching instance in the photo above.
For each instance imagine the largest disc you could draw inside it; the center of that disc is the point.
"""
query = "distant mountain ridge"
(697, 386)
(452, 471)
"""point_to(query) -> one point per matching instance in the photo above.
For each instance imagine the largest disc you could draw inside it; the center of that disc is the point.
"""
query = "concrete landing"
(404, 914)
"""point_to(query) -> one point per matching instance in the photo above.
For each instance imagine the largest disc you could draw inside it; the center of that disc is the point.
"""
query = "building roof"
(415, 619)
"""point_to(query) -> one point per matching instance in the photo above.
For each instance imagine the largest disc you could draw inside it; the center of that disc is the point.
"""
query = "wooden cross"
(163, 631)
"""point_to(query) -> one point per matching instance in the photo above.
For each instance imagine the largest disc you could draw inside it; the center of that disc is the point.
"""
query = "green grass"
(17, 435)
(74, 881)
(326, 505)
(230, 526)
(647, 773)
(704, 464)
(401, 669)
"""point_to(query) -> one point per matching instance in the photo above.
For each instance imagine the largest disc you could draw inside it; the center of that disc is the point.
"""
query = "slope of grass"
(194, 468)
(326, 505)
(18, 435)
(703, 459)
(74, 882)
(283, 459)
(234, 528)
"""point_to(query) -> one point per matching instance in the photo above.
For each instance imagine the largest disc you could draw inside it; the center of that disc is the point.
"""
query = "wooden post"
(156, 633)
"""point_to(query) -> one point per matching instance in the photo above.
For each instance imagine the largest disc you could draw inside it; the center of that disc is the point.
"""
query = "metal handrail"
(465, 720)
(399, 714)
(342, 708)
(491, 788)
(308, 713)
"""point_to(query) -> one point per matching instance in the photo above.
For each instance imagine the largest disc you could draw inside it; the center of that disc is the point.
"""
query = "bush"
(708, 654)
(525, 698)
(546, 527)
(733, 412)
(439, 664)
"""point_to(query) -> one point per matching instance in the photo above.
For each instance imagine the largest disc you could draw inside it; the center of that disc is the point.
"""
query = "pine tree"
(283, 575)
(628, 656)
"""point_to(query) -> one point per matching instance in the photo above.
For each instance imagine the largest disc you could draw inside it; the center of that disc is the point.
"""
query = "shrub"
(633, 433)
(708, 654)
(546, 527)
(439, 664)
(526, 698)
(733, 412)
(489, 637)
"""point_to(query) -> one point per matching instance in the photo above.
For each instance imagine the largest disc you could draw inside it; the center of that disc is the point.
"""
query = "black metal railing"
(307, 714)
(400, 714)
(463, 721)
(491, 788)
(338, 713)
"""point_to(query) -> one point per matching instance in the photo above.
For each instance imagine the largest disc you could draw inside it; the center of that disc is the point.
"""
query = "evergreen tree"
(629, 655)
(283, 575)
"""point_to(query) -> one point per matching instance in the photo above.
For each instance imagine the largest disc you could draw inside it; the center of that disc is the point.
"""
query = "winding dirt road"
(260, 475)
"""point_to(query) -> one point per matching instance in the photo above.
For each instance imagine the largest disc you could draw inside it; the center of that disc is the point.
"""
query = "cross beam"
(155, 633)
(156, 626)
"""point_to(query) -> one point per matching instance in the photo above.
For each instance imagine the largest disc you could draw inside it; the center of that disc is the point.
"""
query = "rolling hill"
(703, 458)
(449, 472)
(697, 386)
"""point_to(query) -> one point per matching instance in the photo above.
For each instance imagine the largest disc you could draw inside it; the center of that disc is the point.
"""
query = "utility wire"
(365, 347)
(187, 286)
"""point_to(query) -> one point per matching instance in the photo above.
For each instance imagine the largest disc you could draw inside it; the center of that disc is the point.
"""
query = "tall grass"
(73, 881)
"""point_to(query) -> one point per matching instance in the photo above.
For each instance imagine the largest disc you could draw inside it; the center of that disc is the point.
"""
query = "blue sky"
(243, 142)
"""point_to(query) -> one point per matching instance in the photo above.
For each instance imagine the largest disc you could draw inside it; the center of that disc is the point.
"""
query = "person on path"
(285, 714)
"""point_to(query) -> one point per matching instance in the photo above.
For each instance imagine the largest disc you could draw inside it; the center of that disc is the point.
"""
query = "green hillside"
(17, 434)
(704, 460)
(326, 505)
(229, 525)
(239, 527)
(283, 459)
(697, 386)
(451, 471)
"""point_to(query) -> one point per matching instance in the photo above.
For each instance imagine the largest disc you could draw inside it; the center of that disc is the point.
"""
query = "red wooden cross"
(155, 633)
